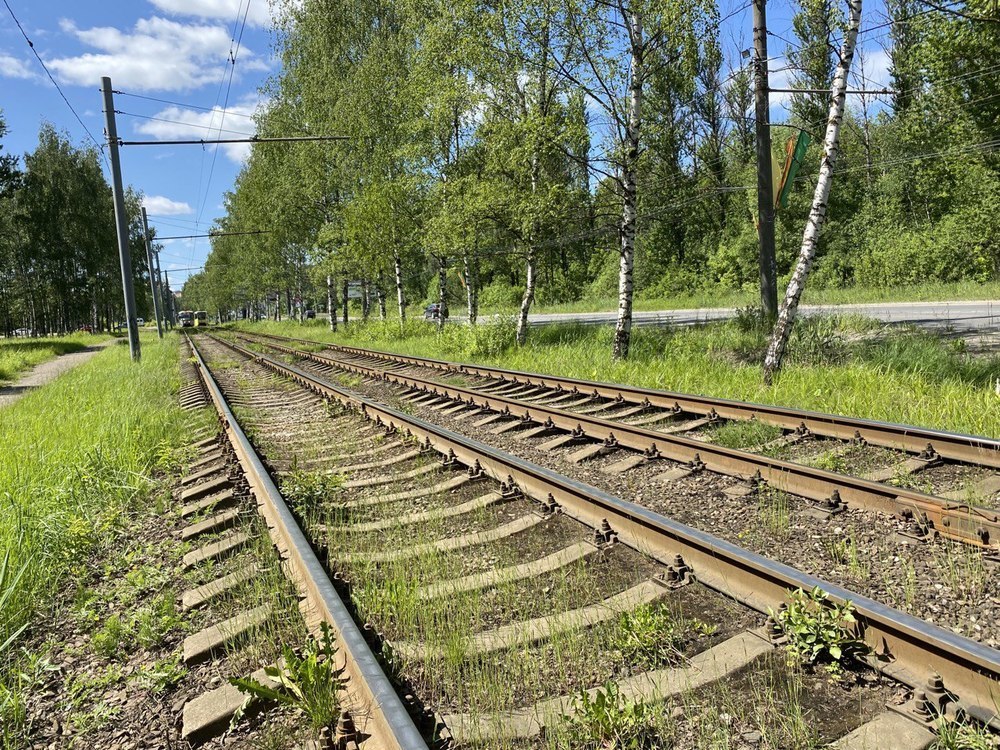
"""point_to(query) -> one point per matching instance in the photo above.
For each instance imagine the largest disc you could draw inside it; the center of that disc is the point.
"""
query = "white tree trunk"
(331, 302)
(527, 299)
(630, 157)
(471, 289)
(817, 214)
(400, 292)
(442, 291)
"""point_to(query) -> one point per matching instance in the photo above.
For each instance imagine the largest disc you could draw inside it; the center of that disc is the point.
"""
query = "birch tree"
(612, 50)
(817, 214)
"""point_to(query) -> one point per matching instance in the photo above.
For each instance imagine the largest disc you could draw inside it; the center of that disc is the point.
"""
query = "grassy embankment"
(18, 355)
(929, 292)
(845, 365)
(79, 457)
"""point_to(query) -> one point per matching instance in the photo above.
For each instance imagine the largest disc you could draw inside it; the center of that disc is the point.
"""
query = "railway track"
(490, 588)
(609, 421)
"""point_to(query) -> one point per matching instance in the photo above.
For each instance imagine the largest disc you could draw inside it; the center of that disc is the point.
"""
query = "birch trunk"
(817, 214)
(623, 328)
(527, 299)
(442, 291)
(331, 302)
(366, 302)
(471, 288)
(380, 295)
(400, 292)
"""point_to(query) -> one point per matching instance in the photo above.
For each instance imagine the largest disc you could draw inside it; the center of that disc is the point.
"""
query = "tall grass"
(845, 365)
(78, 455)
(18, 355)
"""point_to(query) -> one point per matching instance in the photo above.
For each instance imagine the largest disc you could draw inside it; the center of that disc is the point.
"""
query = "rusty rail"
(953, 446)
(951, 519)
(948, 672)
(394, 725)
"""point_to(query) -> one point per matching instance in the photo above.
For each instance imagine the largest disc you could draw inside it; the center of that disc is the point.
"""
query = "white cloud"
(157, 55)
(191, 124)
(162, 206)
(258, 13)
(11, 67)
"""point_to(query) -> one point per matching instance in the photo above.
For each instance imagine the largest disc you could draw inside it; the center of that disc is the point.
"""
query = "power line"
(180, 122)
(251, 139)
(222, 119)
(180, 104)
(100, 146)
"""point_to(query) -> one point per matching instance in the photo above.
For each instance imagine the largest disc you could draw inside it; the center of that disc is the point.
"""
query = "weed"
(818, 631)
(309, 682)
(307, 489)
(153, 622)
(112, 639)
(962, 735)
(648, 636)
(609, 721)
(964, 570)
(162, 674)
(744, 434)
(845, 552)
(773, 508)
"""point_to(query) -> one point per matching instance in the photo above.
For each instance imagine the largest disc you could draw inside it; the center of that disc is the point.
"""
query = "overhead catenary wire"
(180, 122)
(183, 105)
(98, 144)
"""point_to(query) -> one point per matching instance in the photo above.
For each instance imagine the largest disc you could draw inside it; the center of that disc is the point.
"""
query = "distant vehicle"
(140, 321)
(185, 318)
(86, 328)
(25, 332)
(201, 318)
(433, 312)
(310, 314)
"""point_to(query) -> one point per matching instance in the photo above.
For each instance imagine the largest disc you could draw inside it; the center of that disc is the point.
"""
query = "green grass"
(79, 457)
(929, 292)
(845, 365)
(18, 355)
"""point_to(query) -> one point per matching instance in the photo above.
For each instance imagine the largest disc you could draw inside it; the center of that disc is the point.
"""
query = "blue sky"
(176, 50)
(179, 51)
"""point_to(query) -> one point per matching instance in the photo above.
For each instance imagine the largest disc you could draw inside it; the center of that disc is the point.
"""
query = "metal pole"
(152, 276)
(765, 190)
(121, 220)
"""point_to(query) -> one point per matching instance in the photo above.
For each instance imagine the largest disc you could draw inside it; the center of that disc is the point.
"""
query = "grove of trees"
(501, 154)
(59, 267)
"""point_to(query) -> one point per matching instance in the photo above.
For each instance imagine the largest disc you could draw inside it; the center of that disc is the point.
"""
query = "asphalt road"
(979, 316)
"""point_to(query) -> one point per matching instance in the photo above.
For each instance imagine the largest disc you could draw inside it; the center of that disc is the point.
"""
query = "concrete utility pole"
(121, 220)
(152, 275)
(765, 189)
(164, 302)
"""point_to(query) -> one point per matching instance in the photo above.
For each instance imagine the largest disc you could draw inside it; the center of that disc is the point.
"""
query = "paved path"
(961, 316)
(48, 371)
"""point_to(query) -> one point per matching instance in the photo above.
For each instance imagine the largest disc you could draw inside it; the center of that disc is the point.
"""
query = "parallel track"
(827, 490)
(952, 446)
(904, 647)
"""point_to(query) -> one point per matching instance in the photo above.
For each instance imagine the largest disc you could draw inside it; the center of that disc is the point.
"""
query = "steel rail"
(948, 671)
(393, 723)
(953, 446)
(951, 519)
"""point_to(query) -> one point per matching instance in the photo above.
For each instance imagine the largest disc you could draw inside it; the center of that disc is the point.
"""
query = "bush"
(500, 295)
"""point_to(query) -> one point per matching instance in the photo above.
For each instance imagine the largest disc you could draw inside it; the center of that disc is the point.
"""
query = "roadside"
(966, 315)
(56, 358)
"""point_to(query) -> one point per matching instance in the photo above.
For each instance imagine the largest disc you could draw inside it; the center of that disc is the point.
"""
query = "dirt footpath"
(47, 371)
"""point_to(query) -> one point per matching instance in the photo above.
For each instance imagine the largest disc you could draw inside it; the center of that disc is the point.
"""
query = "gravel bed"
(941, 582)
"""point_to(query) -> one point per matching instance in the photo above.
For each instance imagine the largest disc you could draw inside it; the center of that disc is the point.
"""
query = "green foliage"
(962, 735)
(609, 721)
(163, 674)
(819, 632)
(308, 681)
(649, 637)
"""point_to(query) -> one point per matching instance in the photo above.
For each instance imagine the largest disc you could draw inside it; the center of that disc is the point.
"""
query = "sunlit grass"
(845, 366)
(18, 355)
(77, 455)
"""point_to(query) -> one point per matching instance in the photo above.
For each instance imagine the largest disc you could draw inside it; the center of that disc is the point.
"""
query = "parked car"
(86, 328)
(140, 321)
(310, 314)
(25, 332)
(434, 312)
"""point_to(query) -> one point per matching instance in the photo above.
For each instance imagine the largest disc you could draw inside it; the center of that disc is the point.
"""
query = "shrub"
(819, 632)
